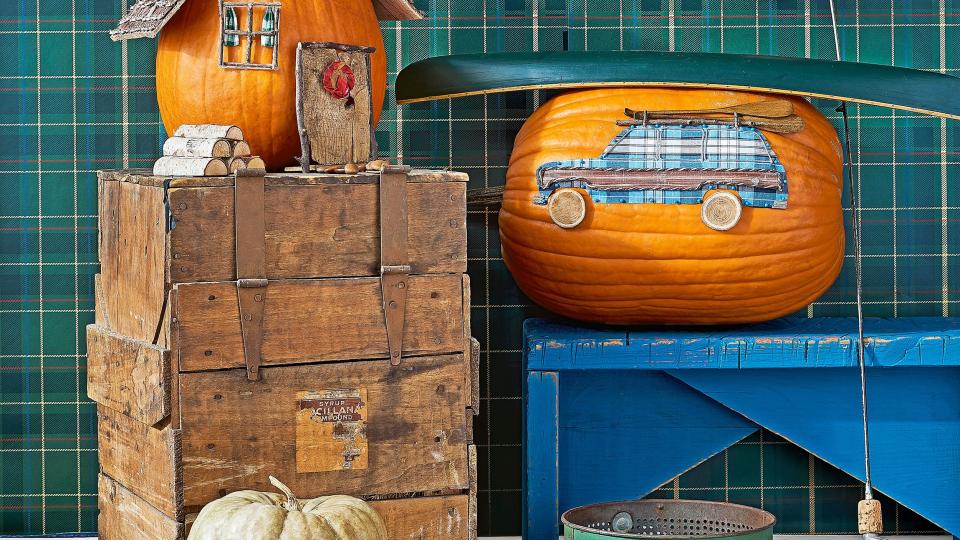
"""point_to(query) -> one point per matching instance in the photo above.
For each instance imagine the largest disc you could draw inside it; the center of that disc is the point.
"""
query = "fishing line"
(858, 264)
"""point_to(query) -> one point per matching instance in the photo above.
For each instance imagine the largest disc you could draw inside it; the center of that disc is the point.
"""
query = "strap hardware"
(251, 268)
(394, 263)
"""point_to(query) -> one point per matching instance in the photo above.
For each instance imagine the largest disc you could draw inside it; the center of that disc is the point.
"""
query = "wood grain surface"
(143, 458)
(237, 432)
(132, 257)
(316, 321)
(128, 376)
(145, 177)
(339, 128)
(317, 231)
(426, 518)
(125, 516)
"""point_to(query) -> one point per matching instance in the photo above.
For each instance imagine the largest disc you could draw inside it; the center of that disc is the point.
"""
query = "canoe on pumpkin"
(871, 84)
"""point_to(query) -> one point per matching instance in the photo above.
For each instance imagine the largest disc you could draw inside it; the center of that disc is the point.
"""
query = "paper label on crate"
(331, 430)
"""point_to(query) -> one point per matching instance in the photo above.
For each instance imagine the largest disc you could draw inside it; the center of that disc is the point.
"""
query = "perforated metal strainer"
(667, 518)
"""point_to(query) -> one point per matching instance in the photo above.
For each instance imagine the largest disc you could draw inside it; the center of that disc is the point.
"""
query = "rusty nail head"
(183, 206)
(247, 317)
(176, 255)
(396, 354)
(453, 223)
(183, 268)
(401, 285)
(258, 297)
(393, 304)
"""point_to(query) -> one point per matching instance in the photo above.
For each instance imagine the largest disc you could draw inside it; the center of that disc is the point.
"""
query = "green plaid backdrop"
(71, 102)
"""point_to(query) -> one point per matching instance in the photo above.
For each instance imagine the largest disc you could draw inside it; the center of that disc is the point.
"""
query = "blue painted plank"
(623, 434)
(540, 506)
(784, 343)
(914, 425)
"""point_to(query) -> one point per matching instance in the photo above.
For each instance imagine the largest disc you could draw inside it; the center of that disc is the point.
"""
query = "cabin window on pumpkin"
(249, 34)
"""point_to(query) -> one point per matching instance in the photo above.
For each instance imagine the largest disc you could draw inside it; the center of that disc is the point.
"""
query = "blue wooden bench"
(613, 414)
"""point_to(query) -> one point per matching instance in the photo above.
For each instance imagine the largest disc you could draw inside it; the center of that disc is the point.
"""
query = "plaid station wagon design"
(674, 164)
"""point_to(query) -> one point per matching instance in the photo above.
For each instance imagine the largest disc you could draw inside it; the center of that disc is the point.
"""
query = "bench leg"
(541, 506)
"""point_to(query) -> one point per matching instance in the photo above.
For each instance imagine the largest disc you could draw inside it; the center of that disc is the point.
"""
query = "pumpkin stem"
(292, 504)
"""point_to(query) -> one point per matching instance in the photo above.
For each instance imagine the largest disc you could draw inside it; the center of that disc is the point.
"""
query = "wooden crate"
(181, 423)
(157, 232)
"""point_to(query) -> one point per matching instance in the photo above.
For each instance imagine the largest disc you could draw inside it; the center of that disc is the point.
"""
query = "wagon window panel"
(684, 145)
(249, 35)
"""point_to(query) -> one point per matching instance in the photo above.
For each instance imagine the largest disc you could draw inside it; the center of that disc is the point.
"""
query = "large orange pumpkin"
(192, 88)
(658, 263)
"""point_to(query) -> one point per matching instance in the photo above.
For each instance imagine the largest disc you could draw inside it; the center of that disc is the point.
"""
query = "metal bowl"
(667, 518)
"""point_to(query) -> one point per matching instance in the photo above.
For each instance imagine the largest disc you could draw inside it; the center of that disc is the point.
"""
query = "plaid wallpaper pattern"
(71, 102)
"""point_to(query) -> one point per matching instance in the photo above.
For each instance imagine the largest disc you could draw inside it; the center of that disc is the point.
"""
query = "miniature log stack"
(255, 325)
(205, 150)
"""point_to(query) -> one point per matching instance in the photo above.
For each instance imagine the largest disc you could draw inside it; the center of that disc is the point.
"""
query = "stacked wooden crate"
(207, 382)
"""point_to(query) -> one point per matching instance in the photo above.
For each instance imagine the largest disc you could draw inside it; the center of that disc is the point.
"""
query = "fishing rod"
(869, 516)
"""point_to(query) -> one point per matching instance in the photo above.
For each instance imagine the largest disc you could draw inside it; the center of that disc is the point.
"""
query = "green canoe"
(472, 74)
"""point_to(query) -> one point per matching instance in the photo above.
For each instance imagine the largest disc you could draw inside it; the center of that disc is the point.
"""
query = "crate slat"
(124, 516)
(132, 247)
(236, 432)
(316, 321)
(143, 458)
(128, 376)
(426, 518)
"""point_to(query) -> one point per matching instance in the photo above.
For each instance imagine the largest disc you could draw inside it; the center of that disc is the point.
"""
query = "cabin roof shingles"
(147, 17)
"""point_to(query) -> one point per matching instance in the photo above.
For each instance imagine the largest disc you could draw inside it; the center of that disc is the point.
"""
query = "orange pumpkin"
(658, 263)
(192, 88)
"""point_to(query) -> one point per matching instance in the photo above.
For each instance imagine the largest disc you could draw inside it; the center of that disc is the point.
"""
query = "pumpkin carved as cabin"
(673, 218)
(233, 62)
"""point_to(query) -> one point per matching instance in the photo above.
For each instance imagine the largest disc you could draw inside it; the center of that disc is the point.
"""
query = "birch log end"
(241, 149)
(194, 147)
(209, 131)
(189, 166)
(252, 162)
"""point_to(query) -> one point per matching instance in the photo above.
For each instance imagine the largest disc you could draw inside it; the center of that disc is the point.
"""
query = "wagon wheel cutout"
(721, 211)
(567, 208)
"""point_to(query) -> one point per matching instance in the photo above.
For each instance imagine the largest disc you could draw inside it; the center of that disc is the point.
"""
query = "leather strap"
(394, 264)
(251, 268)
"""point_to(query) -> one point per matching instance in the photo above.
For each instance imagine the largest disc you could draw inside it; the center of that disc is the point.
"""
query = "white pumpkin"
(253, 515)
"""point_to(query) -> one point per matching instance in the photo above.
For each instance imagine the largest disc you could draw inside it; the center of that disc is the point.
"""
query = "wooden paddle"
(788, 124)
(774, 108)
(485, 197)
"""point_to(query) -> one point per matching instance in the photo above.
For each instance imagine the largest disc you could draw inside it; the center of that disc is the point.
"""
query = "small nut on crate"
(377, 164)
